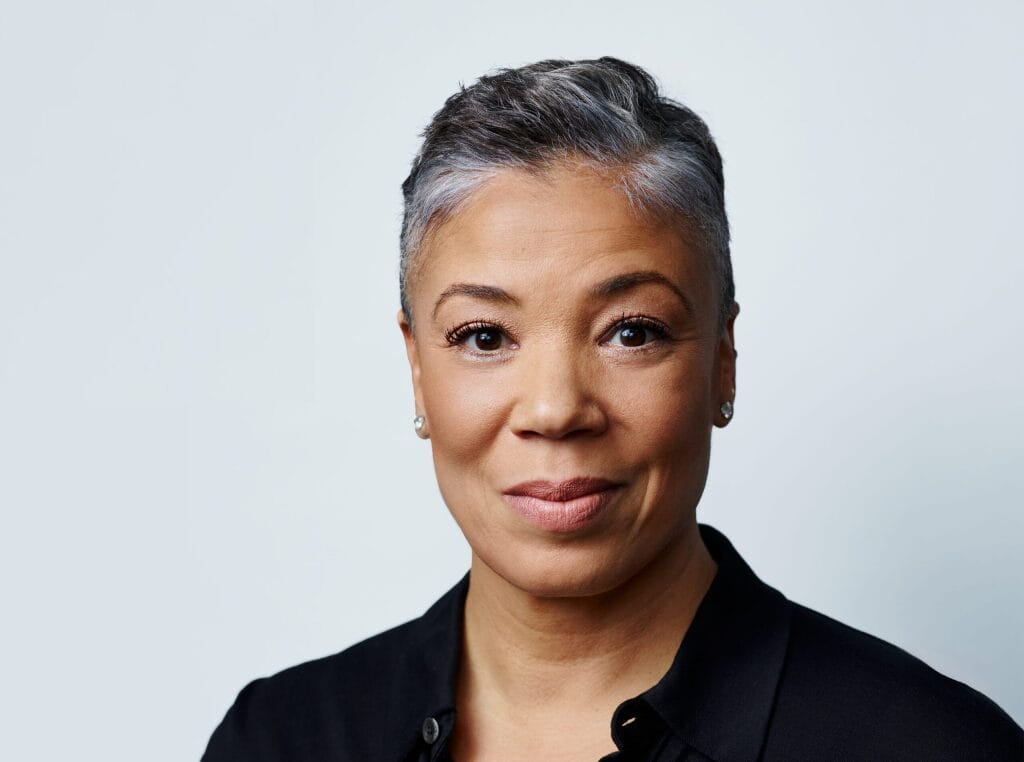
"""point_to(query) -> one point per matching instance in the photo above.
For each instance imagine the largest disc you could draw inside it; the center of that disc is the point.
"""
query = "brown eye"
(479, 338)
(487, 340)
(634, 333)
(632, 336)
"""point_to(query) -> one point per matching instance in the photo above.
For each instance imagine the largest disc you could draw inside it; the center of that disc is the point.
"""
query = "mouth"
(562, 506)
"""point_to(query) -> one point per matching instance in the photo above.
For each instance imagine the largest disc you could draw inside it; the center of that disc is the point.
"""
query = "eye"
(486, 340)
(631, 336)
(636, 332)
(483, 338)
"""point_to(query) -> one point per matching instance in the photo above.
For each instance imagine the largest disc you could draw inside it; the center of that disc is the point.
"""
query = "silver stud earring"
(726, 409)
(418, 423)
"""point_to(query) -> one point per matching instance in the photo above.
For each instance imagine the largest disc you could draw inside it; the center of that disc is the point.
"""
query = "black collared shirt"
(757, 677)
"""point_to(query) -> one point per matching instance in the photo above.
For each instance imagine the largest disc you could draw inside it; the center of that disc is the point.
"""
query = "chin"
(568, 571)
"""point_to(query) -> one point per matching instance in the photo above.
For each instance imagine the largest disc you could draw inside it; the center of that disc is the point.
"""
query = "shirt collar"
(425, 688)
(717, 696)
(719, 692)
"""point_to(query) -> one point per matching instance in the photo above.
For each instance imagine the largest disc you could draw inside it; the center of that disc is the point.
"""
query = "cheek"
(665, 431)
(465, 409)
(665, 412)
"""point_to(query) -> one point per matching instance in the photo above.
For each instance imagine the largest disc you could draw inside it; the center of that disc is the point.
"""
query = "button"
(430, 730)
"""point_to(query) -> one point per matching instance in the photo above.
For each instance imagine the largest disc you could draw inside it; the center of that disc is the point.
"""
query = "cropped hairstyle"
(605, 112)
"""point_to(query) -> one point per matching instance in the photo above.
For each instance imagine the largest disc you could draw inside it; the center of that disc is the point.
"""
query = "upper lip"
(568, 489)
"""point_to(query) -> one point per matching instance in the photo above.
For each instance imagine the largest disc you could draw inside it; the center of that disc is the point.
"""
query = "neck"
(525, 652)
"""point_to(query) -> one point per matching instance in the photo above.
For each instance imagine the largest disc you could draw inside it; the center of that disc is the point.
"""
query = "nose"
(555, 395)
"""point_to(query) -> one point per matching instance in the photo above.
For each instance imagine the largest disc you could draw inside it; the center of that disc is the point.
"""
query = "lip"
(562, 506)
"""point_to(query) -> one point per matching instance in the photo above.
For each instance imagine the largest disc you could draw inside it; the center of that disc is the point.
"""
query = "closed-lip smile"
(569, 489)
(561, 506)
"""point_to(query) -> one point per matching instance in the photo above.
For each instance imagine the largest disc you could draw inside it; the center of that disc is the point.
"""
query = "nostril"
(554, 396)
(584, 418)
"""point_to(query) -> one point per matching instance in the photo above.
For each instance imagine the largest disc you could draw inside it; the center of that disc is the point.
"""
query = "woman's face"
(567, 358)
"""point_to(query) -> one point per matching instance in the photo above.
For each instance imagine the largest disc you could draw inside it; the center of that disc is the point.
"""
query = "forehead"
(561, 199)
(569, 222)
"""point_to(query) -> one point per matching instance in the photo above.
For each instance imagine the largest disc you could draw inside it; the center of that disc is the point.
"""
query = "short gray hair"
(605, 111)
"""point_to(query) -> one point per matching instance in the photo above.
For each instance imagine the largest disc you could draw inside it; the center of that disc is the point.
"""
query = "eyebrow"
(605, 288)
(476, 291)
(627, 281)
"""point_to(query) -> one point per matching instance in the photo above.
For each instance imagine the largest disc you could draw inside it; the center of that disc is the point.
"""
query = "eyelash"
(659, 329)
(457, 336)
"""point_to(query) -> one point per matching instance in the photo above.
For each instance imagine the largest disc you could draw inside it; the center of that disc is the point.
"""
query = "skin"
(545, 380)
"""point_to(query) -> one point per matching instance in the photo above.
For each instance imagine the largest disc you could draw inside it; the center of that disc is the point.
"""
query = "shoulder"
(312, 710)
(845, 692)
(360, 703)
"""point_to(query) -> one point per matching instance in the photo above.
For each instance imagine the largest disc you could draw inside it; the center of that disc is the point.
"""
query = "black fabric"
(756, 677)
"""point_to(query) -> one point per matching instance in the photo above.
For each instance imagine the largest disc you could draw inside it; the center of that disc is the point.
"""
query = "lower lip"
(561, 515)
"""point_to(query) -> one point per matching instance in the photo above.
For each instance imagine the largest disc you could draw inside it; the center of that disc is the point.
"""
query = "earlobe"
(419, 423)
(727, 370)
(412, 353)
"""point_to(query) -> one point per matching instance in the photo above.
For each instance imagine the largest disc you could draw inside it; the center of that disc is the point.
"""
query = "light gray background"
(207, 464)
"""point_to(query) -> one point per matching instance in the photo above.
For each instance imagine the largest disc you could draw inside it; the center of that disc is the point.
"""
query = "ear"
(726, 362)
(412, 352)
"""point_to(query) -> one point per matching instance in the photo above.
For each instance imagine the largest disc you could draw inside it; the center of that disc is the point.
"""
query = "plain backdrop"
(208, 470)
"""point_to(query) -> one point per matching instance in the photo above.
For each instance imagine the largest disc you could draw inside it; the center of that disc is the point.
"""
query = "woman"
(567, 309)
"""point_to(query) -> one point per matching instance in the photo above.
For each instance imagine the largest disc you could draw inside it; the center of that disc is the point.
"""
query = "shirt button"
(430, 730)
